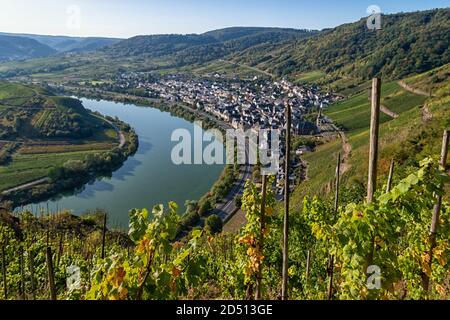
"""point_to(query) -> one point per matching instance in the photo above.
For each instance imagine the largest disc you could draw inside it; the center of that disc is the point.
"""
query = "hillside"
(15, 48)
(409, 43)
(416, 133)
(85, 44)
(180, 50)
(54, 144)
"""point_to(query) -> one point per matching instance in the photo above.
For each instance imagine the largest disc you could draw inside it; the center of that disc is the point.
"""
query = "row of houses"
(258, 104)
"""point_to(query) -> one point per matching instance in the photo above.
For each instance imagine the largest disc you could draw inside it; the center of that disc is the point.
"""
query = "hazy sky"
(126, 18)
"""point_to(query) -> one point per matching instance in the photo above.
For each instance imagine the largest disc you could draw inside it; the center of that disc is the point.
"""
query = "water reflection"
(90, 190)
(144, 147)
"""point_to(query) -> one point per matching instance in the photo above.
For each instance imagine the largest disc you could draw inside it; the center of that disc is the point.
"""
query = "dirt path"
(26, 185)
(122, 139)
(345, 165)
(426, 114)
(413, 90)
(390, 113)
(347, 147)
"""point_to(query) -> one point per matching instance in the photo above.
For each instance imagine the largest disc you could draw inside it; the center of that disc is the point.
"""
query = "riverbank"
(74, 174)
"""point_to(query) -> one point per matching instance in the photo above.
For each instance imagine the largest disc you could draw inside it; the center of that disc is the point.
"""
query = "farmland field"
(29, 167)
(354, 113)
(310, 77)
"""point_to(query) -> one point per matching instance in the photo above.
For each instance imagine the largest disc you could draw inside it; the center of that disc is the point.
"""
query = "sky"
(127, 18)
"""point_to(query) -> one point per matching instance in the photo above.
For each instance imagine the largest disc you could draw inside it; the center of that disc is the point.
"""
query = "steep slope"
(13, 48)
(408, 43)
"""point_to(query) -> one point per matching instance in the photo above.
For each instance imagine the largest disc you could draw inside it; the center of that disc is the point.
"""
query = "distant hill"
(408, 43)
(14, 48)
(19, 45)
(71, 44)
(86, 44)
(199, 48)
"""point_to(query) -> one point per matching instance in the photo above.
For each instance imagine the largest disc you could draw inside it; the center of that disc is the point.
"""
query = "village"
(254, 104)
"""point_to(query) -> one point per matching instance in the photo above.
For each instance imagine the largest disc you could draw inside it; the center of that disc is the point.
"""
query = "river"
(146, 179)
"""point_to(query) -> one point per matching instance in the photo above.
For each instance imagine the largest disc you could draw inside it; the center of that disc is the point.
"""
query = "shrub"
(213, 224)
(204, 207)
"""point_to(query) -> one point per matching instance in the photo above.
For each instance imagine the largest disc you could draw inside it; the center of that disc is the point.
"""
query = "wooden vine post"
(308, 265)
(22, 274)
(374, 132)
(31, 269)
(60, 248)
(373, 152)
(330, 267)
(338, 182)
(287, 161)
(437, 208)
(391, 176)
(50, 271)
(5, 284)
(261, 236)
(104, 235)
(3, 245)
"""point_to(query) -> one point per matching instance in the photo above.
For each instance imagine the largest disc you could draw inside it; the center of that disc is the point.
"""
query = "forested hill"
(198, 48)
(408, 43)
(12, 48)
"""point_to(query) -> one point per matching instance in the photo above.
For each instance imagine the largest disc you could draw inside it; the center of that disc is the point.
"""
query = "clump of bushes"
(213, 224)
(6, 153)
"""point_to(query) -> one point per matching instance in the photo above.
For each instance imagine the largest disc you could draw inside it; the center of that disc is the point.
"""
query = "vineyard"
(61, 257)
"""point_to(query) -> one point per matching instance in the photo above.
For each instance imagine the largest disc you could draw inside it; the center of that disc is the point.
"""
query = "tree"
(238, 201)
(191, 206)
(213, 224)
(205, 207)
